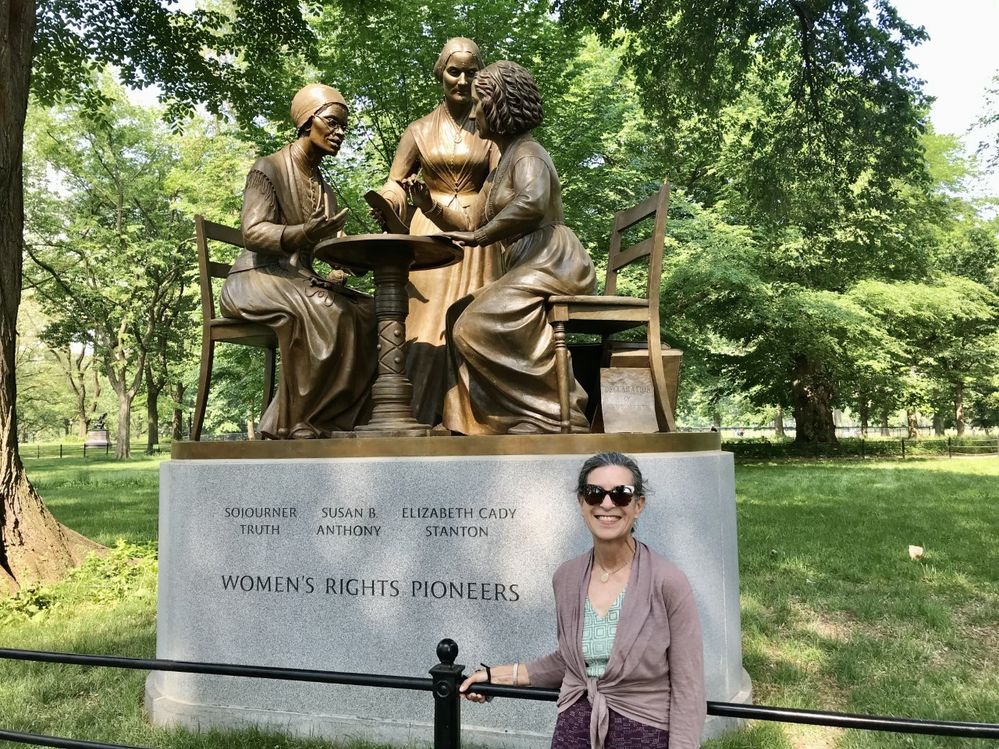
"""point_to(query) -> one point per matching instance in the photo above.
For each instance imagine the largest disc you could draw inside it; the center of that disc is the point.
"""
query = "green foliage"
(226, 53)
(793, 136)
(988, 125)
(124, 571)
(45, 405)
(839, 96)
(835, 615)
(111, 258)
(110, 201)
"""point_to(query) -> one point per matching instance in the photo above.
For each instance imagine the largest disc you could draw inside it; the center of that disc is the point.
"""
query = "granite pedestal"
(360, 555)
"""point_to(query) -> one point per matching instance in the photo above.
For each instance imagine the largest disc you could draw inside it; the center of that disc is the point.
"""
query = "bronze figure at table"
(326, 332)
(500, 356)
(499, 340)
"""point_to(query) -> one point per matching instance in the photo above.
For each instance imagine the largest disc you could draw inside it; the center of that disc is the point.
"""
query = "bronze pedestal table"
(391, 257)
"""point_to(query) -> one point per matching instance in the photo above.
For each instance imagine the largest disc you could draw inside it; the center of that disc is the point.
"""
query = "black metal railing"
(38, 450)
(445, 679)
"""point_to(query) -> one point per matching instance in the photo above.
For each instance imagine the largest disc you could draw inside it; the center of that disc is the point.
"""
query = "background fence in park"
(749, 448)
(39, 450)
(446, 676)
(764, 449)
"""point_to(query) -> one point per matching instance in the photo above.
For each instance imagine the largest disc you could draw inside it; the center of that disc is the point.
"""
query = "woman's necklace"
(607, 575)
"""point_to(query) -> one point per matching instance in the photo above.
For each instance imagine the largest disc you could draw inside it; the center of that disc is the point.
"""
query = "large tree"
(802, 120)
(32, 543)
(111, 257)
(195, 57)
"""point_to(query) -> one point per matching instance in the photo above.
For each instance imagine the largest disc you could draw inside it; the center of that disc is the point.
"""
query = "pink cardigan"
(655, 674)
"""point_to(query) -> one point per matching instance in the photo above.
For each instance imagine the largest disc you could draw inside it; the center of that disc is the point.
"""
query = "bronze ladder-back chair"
(218, 329)
(609, 314)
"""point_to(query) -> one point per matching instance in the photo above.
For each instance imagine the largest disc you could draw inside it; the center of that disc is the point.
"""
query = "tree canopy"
(820, 252)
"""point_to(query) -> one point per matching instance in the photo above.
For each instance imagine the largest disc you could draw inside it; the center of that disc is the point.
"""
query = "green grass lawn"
(835, 614)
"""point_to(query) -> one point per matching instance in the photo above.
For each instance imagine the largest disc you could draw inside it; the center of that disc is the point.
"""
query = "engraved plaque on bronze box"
(627, 400)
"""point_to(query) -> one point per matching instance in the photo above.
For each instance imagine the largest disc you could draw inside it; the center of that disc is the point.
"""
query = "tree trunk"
(178, 412)
(959, 408)
(811, 393)
(152, 412)
(865, 416)
(33, 545)
(121, 449)
(152, 423)
(779, 423)
(77, 368)
(938, 424)
(911, 422)
(885, 431)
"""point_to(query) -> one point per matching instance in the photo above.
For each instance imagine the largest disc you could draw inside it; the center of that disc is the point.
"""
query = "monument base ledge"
(359, 555)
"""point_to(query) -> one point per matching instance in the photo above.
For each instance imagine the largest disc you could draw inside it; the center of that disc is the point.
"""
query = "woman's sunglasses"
(620, 495)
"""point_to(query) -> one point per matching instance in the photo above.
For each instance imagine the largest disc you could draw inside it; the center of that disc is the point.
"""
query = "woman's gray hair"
(509, 98)
(611, 459)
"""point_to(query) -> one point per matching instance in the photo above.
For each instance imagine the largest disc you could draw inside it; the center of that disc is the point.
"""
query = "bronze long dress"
(326, 339)
(501, 343)
(453, 162)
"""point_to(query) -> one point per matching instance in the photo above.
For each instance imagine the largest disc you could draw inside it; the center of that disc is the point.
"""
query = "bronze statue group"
(480, 354)
(481, 357)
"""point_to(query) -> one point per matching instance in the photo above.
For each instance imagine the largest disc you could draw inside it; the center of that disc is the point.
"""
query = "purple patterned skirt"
(572, 731)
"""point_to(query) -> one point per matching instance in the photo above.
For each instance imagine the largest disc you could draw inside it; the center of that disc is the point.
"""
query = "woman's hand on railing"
(477, 677)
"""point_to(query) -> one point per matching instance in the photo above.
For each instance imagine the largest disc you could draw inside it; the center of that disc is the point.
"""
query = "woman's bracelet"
(435, 209)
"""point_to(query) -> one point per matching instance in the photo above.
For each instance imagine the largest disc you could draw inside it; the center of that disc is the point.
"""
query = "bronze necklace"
(459, 129)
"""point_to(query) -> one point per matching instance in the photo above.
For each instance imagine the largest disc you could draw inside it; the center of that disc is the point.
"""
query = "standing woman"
(453, 161)
(630, 657)
(500, 340)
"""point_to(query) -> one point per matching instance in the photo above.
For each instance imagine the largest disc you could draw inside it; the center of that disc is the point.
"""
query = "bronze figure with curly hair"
(501, 346)
(509, 99)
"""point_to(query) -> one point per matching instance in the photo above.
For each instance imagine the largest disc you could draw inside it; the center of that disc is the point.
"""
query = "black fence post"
(863, 454)
(38, 451)
(60, 450)
(950, 454)
(903, 449)
(447, 701)
(84, 449)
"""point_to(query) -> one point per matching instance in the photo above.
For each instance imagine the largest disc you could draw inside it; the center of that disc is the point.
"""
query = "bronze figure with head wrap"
(325, 331)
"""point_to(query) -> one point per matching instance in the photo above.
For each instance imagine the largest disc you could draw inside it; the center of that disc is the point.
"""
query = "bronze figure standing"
(444, 149)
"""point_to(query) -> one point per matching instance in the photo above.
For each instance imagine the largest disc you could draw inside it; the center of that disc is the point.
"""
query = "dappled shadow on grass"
(837, 616)
(102, 499)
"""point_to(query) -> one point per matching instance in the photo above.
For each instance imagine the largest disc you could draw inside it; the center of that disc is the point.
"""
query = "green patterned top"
(598, 636)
